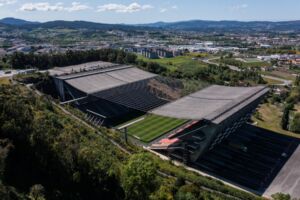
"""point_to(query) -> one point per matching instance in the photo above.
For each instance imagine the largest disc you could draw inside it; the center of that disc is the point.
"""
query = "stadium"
(206, 130)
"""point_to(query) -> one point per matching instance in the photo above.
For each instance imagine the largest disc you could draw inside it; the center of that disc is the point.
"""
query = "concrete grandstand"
(207, 130)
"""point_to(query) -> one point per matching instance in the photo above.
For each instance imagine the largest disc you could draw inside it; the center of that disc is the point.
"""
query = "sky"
(147, 11)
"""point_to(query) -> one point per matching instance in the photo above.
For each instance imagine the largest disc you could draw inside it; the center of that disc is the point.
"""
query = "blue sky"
(145, 11)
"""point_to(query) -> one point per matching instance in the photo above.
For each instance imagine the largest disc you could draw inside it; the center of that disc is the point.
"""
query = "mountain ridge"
(190, 25)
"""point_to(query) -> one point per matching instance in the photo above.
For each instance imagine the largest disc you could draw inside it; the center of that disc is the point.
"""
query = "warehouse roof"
(214, 103)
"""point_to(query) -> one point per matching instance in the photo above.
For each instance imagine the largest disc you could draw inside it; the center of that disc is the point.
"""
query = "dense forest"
(20, 60)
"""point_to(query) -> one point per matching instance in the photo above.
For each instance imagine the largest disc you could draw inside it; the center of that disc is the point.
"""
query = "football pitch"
(153, 126)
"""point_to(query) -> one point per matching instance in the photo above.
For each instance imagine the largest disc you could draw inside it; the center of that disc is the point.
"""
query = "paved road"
(209, 61)
(284, 81)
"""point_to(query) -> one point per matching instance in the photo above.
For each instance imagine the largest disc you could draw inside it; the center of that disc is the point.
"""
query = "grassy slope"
(247, 64)
(185, 63)
(270, 118)
(4, 81)
(282, 75)
(272, 81)
(153, 126)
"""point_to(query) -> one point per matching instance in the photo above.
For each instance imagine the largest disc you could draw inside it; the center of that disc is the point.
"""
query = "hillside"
(193, 25)
(198, 25)
(16, 22)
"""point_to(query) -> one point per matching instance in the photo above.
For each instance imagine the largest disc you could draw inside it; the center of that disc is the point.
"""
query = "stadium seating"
(105, 108)
(250, 157)
(135, 96)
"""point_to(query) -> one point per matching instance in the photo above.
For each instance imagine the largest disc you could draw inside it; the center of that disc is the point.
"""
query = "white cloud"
(163, 10)
(121, 8)
(46, 6)
(239, 7)
(7, 2)
(77, 6)
(42, 6)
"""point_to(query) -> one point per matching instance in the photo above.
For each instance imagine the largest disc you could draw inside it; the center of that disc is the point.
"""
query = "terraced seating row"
(249, 157)
(105, 108)
(138, 99)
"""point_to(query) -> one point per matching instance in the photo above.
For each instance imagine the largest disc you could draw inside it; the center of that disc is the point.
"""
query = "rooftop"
(95, 77)
(90, 66)
(214, 103)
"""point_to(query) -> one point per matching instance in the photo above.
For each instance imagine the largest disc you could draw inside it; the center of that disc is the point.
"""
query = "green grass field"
(153, 126)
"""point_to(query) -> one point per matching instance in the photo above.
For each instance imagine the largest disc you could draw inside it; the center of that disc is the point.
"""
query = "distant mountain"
(76, 25)
(202, 25)
(193, 25)
(16, 22)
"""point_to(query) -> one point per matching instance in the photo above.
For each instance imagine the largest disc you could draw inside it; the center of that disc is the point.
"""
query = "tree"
(37, 192)
(163, 193)
(281, 196)
(297, 81)
(295, 124)
(286, 116)
(139, 178)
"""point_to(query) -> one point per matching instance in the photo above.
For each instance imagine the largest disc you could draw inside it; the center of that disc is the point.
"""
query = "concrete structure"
(96, 77)
(215, 113)
(214, 103)
(149, 54)
(288, 179)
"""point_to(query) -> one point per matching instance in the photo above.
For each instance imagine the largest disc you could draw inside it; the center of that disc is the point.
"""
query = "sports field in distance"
(153, 126)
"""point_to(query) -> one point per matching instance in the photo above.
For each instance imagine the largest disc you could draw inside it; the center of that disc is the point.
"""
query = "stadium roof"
(59, 71)
(95, 77)
(214, 103)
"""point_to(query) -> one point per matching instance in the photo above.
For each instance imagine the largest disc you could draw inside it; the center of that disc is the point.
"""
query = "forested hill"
(192, 25)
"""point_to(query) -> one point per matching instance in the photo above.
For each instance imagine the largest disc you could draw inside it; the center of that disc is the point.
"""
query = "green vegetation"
(153, 126)
(272, 81)
(242, 64)
(46, 61)
(4, 81)
(280, 196)
(295, 123)
(180, 63)
(286, 116)
(269, 116)
(69, 160)
(192, 85)
(211, 74)
(270, 51)
(139, 177)
(279, 74)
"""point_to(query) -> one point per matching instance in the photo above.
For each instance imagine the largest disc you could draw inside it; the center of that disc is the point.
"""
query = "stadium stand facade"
(216, 112)
(98, 88)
